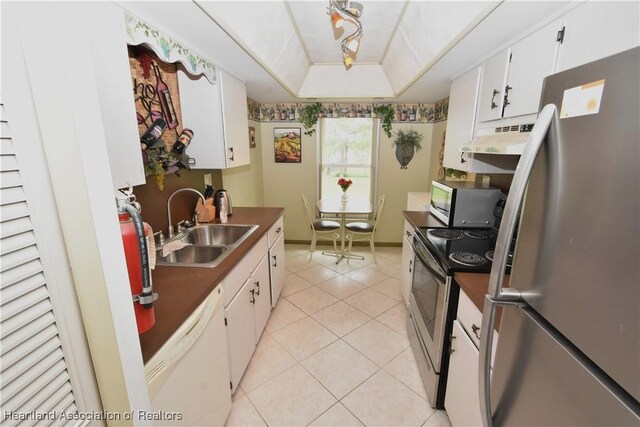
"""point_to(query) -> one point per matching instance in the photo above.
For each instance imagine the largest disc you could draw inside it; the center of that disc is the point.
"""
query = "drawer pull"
(475, 330)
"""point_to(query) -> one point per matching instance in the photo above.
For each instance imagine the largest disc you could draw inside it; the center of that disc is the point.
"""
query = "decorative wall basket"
(404, 155)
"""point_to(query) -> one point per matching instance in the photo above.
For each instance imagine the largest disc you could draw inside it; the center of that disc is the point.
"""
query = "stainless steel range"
(439, 253)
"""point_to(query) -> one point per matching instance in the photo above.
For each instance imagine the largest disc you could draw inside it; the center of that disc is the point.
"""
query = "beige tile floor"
(335, 350)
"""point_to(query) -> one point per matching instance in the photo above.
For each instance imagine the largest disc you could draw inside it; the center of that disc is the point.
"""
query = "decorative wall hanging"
(287, 145)
(156, 96)
(169, 50)
(407, 143)
(389, 113)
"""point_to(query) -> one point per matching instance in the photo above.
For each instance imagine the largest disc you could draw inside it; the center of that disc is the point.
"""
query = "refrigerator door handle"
(498, 295)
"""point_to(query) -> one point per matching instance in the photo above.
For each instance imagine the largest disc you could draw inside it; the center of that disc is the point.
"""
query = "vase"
(344, 196)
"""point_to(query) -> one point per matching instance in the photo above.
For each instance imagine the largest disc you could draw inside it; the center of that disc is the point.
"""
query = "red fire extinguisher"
(134, 238)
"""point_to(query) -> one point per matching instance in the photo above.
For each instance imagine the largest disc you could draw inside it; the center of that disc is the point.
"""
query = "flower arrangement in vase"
(344, 184)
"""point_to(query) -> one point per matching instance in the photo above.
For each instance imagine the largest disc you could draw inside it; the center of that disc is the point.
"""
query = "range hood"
(509, 140)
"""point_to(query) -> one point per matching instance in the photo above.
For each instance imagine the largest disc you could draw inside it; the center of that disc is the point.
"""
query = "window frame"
(375, 156)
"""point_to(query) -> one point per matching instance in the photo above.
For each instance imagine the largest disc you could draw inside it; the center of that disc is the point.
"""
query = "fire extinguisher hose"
(146, 297)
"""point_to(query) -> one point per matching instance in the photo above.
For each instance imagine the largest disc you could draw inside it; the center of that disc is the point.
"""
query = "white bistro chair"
(322, 229)
(364, 230)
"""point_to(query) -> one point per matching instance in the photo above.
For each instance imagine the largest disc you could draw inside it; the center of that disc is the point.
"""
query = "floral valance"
(167, 49)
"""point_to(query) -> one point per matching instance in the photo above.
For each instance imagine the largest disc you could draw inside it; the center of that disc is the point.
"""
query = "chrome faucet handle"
(160, 240)
(181, 226)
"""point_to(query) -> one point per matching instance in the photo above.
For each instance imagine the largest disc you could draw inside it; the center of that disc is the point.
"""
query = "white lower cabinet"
(253, 287)
(241, 332)
(277, 269)
(246, 314)
(462, 400)
(407, 269)
(261, 297)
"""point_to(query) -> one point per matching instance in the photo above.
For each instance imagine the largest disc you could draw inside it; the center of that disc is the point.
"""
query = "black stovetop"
(469, 243)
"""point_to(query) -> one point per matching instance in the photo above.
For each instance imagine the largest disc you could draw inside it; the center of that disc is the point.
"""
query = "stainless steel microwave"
(463, 204)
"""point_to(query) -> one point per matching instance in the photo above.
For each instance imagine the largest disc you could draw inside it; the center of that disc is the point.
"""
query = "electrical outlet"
(207, 179)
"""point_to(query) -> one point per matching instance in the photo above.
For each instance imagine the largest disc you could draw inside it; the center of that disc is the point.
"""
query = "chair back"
(305, 203)
(378, 213)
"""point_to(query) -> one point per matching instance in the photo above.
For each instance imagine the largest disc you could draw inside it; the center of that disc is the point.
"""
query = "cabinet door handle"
(275, 260)
(463, 156)
(451, 338)
(257, 286)
(232, 155)
(408, 233)
(506, 102)
(253, 296)
(278, 230)
(410, 265)
(493, 103)
(475, 329)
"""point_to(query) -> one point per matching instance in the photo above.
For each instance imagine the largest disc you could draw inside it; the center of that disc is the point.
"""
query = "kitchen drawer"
(236, 278)
(470, 318)
(258, 252)
(275, 231)
(408, 230)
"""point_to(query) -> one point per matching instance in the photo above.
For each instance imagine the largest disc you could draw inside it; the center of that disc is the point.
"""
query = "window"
(347, 149)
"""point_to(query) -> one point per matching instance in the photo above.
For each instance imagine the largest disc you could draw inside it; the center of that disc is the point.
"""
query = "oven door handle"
(425, 257)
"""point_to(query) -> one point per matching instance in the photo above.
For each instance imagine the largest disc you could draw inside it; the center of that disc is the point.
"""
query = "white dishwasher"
(189, 375)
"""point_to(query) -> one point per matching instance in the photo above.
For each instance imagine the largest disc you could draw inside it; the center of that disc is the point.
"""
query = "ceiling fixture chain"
(345, 10)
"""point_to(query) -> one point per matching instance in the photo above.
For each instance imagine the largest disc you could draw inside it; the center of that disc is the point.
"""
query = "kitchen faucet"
(169, 207)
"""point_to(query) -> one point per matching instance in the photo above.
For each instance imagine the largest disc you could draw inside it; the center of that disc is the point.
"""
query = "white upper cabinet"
(462, 116)
(233, 94)
(217, 114)
(512, 80)
(113, 78)
(494, 80)
(595, 30)
(202, 112)
(531, 60)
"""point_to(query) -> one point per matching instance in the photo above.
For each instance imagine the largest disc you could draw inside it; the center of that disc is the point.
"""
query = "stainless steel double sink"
(206, 245)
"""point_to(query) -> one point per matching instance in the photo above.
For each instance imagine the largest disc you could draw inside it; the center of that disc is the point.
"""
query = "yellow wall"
(284, 183)
(395, 183)
(244, 183)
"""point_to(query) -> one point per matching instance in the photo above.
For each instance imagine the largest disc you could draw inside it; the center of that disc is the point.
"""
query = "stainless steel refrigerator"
(569, 347)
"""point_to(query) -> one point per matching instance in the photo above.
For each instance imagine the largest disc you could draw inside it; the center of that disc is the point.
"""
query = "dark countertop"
(182, 289)
(423, 219)
(476, 286)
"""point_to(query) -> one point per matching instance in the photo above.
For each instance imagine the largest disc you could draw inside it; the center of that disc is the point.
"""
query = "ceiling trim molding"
(243, 46)
(451, 45)
(297, 30)
(395, 30)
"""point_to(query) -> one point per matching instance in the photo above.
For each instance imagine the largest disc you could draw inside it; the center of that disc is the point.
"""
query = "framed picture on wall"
(252, 137)
(287, 145)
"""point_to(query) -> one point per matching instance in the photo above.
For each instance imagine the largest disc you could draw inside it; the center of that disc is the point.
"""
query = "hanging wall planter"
(407, 143)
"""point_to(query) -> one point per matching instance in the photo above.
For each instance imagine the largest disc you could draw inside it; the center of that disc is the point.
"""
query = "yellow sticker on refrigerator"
(582, 100)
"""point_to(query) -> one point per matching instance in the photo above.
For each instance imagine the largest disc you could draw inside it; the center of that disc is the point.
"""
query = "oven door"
(429, 301)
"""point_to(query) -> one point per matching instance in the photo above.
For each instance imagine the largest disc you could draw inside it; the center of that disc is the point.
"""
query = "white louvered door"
(34, 374)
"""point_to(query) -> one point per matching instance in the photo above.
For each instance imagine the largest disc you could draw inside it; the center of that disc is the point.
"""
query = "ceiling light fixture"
(346, 10)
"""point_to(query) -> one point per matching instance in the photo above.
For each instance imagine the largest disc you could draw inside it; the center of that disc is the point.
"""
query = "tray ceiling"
(295, 42)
